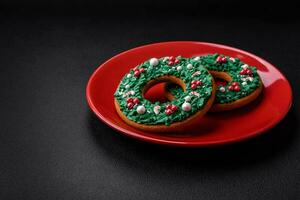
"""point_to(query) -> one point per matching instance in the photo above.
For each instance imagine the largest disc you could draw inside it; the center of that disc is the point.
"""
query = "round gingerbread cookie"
(243, 82)
(196, 98)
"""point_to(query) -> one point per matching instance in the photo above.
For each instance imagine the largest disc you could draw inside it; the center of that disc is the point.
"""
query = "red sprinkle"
(224, 60)
(230, 88)
(130, 105)
(142, 70)
(174, 108)
(219, 59)
(168, 112)
(242, 72)
(169, 106)
(135, 69)
(177, 61)
(136, 73)
(235, 84)
(129, 100)
(237, 88)
(171, 63)
(136, 101)
(172, 58)
(193, 86)
(198, 82)
(248, 71)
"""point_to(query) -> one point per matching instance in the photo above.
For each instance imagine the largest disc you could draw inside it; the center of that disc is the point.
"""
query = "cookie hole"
(156, 93)
(221, 82)
(154, 90)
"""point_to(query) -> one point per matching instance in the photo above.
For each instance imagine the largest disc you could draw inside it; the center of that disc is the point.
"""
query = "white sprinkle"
(153, 62)
(156, 109)
(129, 75)
(244, 83)
(179, 68)
(141, 109)
(250, 79)
(244, 66)
(222, 89)
(189, 66)
(126, 94)
(187, 98)
(195, 93)
(186, 107)
(132, 92)
(197, 58)
(165, 58)
(127, 86)
(232, 59)
(243, 79)
(196, 73)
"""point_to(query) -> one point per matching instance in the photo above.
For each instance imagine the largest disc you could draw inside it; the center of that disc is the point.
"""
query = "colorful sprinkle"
(141, 109)
(189, 66)
(187, 98)
(153, 62)
(186, 106)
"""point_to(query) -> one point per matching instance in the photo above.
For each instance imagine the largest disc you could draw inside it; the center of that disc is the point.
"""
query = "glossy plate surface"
(214, 129)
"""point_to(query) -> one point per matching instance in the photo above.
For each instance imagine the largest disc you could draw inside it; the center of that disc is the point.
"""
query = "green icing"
(132, 87)
(247, 83)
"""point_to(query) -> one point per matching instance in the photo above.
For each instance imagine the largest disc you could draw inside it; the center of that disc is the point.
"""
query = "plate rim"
(182, 143)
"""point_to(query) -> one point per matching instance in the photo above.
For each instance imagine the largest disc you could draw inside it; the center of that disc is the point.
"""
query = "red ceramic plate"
(214, 129)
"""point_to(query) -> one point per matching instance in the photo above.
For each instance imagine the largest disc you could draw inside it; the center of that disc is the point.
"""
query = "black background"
(53, 147)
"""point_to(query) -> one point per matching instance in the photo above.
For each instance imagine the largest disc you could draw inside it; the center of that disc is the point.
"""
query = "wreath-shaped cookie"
(243, 82)
(195, 99)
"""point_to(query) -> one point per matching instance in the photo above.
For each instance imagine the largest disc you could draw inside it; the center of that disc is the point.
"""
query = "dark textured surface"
(53, 147)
